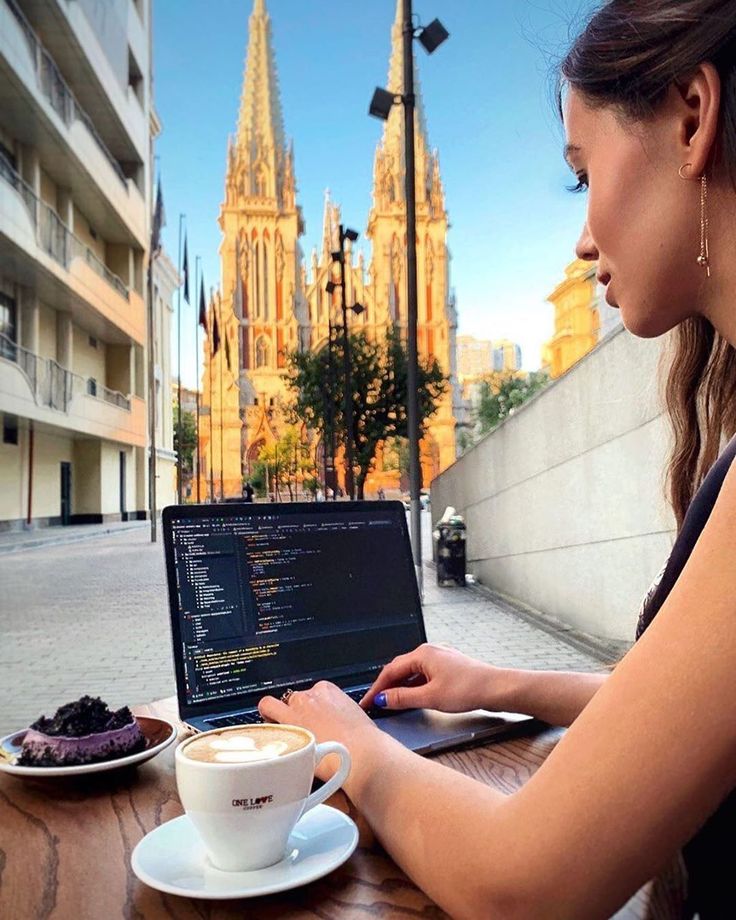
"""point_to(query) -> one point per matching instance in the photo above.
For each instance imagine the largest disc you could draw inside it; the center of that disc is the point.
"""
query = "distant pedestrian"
(248, 492)
(319, 495)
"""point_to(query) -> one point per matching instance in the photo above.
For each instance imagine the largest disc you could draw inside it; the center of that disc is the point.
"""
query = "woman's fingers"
(399, 670)
(273, 710)
(405, 698)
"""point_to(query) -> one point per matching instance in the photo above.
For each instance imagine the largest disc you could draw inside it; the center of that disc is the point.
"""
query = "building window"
(265, 280)
(135, 77)
(92, 386)
(10, 429)
(8, 326)
(260, 181)
(262, 352)
(258, 279)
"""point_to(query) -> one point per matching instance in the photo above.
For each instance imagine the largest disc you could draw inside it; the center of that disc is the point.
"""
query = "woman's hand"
(434, 677)
(330, 715)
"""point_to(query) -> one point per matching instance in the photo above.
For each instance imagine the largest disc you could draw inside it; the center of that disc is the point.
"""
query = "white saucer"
(172, 858)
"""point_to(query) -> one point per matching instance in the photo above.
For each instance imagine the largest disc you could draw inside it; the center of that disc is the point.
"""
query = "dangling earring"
(704, 258)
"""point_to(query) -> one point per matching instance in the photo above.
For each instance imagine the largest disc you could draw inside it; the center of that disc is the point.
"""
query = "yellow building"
(506, 356)
(269, 304)
(577, 318)
(76, 131)
(474, 357)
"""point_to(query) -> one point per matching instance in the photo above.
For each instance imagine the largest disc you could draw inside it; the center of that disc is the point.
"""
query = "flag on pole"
(202, 307)
(159, 221)
(215, 332)
(185, 271)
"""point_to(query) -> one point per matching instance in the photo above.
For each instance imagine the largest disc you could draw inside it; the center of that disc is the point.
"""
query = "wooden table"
(65, 847)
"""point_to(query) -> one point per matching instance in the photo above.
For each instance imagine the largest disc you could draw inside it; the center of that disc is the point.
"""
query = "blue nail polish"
(380, 699)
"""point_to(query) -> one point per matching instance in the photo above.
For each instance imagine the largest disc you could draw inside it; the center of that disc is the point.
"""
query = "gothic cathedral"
(267, 303)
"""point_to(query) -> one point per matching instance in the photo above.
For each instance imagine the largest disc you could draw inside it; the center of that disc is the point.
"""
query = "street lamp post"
(331, 414)
(430, 37)
(339, 257)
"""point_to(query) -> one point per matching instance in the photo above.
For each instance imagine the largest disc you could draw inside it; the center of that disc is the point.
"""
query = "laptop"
(265, 597)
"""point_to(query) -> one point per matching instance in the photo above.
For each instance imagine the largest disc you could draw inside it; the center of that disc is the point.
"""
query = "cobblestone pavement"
(92, 617)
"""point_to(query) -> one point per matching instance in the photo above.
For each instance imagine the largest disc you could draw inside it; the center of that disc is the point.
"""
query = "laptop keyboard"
(254, 718)
(242, 718)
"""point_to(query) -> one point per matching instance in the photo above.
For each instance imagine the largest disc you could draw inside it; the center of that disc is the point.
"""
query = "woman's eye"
(582, 185)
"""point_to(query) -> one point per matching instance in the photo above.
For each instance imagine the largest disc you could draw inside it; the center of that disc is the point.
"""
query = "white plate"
(159, 733)
(172, 858)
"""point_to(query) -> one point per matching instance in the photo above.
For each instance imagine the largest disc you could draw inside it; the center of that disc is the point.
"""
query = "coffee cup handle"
(334, 782)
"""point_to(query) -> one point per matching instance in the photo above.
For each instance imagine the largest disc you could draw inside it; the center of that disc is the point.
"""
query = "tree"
(286, 462)
(504, 393)
(379, 381)
(188, 441)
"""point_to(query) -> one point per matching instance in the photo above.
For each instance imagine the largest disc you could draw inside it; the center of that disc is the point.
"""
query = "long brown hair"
(627, 57)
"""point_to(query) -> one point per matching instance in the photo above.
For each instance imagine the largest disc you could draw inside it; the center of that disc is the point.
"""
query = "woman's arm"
(557, 697)
(645, 763)
(440, 677)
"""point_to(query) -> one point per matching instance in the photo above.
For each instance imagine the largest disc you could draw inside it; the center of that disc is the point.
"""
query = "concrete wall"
(564, 501)
(47, 332)
(88, 361)
(49, 449)
(12, 492)
(86, 487)
(95, 477)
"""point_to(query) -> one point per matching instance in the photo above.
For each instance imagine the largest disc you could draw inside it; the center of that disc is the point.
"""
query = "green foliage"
(379, 385)
(501, 396)
(257, 478)
(285, 463)
(188, 439)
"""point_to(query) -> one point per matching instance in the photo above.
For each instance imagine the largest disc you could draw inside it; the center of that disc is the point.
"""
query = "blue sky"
(487, 100)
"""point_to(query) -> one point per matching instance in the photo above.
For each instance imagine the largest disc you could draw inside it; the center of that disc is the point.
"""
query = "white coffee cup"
(245, 811)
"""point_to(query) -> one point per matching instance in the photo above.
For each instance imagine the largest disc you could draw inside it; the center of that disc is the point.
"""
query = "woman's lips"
(609, 297)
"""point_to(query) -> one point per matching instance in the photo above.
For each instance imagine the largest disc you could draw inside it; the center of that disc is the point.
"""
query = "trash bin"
(451, 552)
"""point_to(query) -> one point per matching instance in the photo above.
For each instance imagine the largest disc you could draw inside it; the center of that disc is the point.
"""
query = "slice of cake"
(82, 732)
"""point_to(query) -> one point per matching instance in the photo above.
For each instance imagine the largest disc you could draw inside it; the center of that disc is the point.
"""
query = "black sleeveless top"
(710, 857)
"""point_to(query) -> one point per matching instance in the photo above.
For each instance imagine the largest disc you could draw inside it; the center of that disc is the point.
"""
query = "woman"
(648, 100)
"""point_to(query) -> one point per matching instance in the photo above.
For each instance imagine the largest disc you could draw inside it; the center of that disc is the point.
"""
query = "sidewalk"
(14, 540)
(91, 616)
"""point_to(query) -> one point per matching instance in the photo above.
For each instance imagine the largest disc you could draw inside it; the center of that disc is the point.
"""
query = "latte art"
(246, 745)
(241, 749)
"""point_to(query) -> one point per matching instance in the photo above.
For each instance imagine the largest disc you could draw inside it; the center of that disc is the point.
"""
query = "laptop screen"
(272, 597)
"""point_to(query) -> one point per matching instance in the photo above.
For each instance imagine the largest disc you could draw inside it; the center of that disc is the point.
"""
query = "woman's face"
(642, 223)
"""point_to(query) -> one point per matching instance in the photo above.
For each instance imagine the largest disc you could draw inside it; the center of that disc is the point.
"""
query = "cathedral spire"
(388, 179)
(395, 124)
(260, 151)
(330, 224)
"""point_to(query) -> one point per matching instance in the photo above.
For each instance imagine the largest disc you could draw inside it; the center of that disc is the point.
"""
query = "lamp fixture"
(432, 36)
(381, 103)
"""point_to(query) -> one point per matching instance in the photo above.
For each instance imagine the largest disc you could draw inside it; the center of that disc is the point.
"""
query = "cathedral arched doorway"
(252, 454)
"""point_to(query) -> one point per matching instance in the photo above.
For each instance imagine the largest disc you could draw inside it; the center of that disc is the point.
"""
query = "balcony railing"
(53, 235)
(56, 89)
(115, 397)
(53, 385)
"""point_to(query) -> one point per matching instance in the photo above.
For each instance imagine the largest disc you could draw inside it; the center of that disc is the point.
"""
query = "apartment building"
(76, 131)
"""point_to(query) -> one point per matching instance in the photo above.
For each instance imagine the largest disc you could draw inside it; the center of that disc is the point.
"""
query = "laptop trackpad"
(425, 730)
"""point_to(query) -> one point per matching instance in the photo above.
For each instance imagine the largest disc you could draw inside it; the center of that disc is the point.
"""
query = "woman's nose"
(585, 248)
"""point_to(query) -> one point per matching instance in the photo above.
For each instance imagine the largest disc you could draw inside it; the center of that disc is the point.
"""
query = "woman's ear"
(697, 103)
